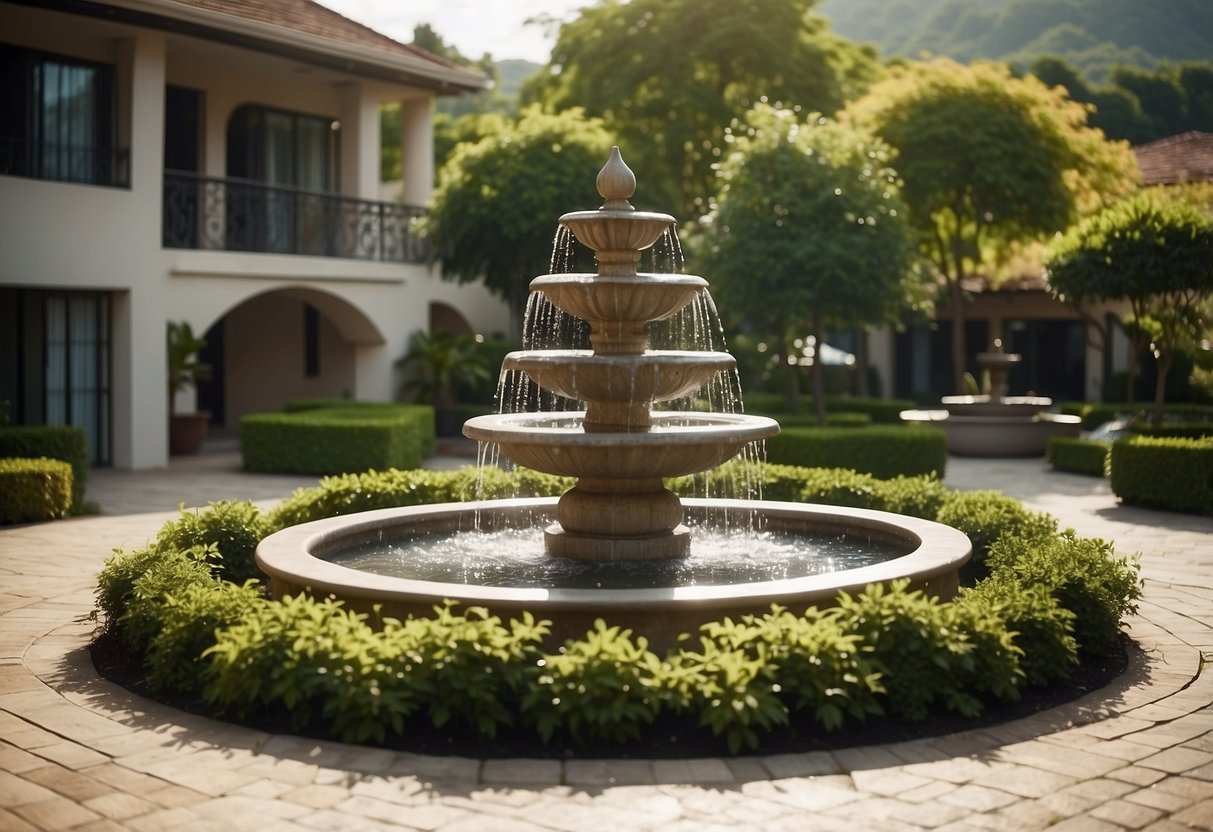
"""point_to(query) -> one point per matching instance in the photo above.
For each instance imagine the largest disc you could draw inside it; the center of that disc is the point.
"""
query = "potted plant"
(186, 431)
(438, 363)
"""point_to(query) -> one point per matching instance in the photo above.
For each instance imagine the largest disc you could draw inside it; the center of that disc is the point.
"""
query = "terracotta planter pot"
(187, 432)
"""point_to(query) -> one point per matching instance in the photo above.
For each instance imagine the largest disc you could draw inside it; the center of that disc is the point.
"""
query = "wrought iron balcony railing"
(202, 212)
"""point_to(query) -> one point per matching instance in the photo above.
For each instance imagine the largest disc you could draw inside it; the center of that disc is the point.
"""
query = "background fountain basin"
(995, 406)
(655, 376)
(1007, 435)
(678, 443)
(293, 559)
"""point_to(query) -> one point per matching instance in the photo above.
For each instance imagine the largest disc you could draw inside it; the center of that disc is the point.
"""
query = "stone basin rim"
(522, 429)
(286, 555)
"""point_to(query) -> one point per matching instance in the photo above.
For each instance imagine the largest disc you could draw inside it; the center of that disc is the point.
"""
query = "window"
(281, 148)
(58, 119)
(55, 361)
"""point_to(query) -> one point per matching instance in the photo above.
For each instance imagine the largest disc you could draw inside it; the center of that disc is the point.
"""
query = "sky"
(472, 26)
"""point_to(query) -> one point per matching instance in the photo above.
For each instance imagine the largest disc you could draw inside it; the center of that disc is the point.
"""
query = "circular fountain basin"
(605, 299)
(655, 376)
(299, 559)
(677, 443)
(1008, 435)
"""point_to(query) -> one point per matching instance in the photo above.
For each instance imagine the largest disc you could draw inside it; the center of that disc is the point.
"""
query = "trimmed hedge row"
(1078, 456)
(338, 439)
(1094, 414)
(881, 450)
(34, 489)
(1171, 474)
(880, 411)
(63, 442)
(887, 650)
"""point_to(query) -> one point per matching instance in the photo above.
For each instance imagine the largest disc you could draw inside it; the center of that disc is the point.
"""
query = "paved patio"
(77, 752)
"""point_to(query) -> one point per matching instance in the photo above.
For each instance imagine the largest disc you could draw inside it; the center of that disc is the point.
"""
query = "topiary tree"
(1154, 251)
(495, 208)
(809, 232)
(988, 160)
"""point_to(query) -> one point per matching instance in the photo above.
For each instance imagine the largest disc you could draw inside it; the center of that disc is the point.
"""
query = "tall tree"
(1154, 251)
(667, 75)
(988, 160)
(497, 202)
(809, 232)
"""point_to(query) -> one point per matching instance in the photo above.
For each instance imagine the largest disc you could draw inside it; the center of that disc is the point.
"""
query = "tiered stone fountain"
(620, 452)
(619, 545)
(997, 425)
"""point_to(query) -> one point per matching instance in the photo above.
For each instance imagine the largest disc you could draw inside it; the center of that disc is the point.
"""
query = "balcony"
(202, 212)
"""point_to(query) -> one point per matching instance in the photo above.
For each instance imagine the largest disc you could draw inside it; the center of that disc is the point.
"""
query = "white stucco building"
(213, 162)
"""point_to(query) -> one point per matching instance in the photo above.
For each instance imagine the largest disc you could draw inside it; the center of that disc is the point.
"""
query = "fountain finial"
(616, 183)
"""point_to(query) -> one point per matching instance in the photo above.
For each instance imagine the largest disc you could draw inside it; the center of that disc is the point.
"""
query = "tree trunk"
(819, 389)
(958, 337)
(861, 361)
(1160, 386)
(791, 384)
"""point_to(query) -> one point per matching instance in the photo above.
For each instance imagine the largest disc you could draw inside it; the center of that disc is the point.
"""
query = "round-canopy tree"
(988, 160)
(809, 232)
(494, 211)
(1154, 251)
(667, 76)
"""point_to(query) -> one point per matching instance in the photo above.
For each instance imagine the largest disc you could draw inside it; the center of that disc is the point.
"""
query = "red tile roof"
(1187, 157)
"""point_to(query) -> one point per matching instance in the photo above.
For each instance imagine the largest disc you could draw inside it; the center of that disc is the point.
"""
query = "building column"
(417, 150)
(359, 176)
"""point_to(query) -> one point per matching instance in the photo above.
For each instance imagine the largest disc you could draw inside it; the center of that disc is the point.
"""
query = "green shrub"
(1085, 576)
(350, 493)
(1175, 430)
(603, 687)
(63, 442)
(34, 489)
(171, 573)
(808, 419)
(1171, 474)
(338, 440)
(920, 496)
(116, 581)
(1094, 414)
(924, 658)
(883, 451)
(988, 516)
(1043, 629)
(234, 527)
(187, 620)
(1078, 456)
(880, 411)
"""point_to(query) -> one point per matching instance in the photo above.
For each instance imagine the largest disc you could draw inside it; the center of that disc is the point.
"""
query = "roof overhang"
(182, 19)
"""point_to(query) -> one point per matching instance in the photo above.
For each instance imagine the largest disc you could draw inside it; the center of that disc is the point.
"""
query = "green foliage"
(924, 658)
(1078, 456)
(1043, 630)
(497, 202)
(438, 363)
(186, 620)
(184, 368)
(1085, 576)
(171, 572)
(337, 440)
(687, 73)
(598, 688)
(234, 528)
(988, 160)
(1152, 250)
(881, 411)
(989, 516)
(349, 493)
(919, 496)
(1166, 473)
(116, 581)
(883, 451)
(63, 442)
(34, 489)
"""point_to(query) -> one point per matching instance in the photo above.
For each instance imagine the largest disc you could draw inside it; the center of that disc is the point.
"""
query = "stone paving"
(77, 752)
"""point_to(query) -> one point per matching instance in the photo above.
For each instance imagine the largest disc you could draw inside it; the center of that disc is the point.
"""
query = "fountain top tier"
(619, 509)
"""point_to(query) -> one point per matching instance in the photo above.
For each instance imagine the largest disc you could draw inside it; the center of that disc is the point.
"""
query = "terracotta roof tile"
(314, 19)
(1187, 157)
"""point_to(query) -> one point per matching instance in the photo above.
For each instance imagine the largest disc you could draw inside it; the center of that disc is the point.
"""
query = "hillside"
(1094, 35)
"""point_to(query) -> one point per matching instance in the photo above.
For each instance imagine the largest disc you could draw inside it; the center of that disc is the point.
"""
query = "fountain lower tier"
(620, 508)
(294, 560)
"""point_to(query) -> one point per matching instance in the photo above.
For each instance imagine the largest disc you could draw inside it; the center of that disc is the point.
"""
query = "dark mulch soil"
(666, 738)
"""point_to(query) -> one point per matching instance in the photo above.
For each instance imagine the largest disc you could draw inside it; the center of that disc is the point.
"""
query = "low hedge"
(834, 419)
(880, 411)
(1174, 430)
(34, 489)
(1171, 474)
(1078, 456)
(63, 442)
(883, 451)
(886, 650)
(338, 439)
(1094, 414)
